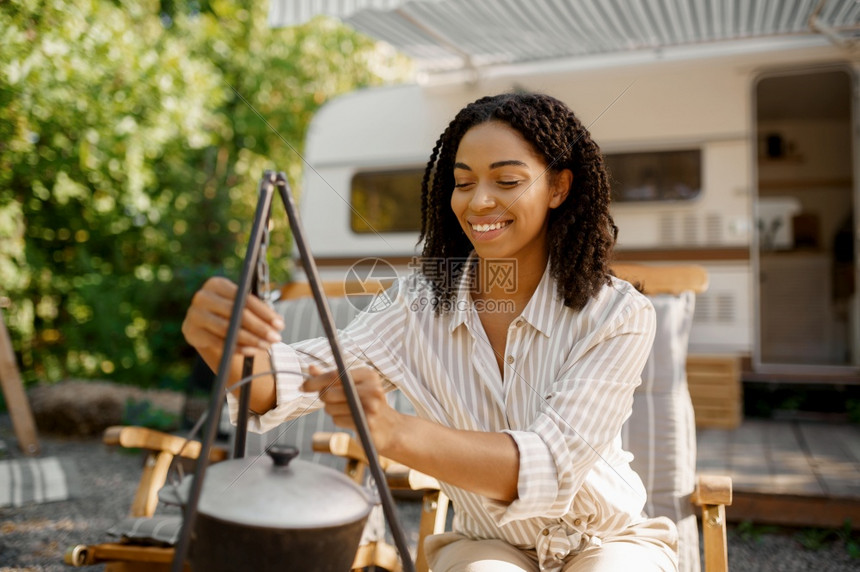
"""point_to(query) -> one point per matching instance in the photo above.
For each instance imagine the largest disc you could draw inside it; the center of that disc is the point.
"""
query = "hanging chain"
(263, 282)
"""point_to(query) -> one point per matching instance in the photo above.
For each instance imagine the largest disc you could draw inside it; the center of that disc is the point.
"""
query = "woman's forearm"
(263, 397)
(482, 462)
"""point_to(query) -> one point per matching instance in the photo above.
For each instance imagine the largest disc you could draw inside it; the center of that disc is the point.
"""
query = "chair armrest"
(712, 490)
(343, 445)
(713, 493)
(132, 437)
(161, 449)
(402, 477)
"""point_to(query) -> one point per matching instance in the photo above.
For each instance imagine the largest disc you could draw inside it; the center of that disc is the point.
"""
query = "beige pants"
(648, 546)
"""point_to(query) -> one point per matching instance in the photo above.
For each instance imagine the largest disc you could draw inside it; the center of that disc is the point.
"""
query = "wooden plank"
(16, 400)
(791, 472)
(749, 467)
(712, 452)
(706, 393)
(833, 464)
(715, 390)
(673, 279)
(794, 510)
(849, 437)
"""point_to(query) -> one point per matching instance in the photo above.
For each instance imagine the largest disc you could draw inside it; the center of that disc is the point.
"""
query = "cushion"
(158, 530)
(661, 431)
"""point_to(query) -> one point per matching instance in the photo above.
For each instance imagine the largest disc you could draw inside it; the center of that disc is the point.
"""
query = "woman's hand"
(381, 417)
(208, 318)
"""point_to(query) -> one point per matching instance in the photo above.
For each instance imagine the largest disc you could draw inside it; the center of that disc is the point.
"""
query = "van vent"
(667, 228)
(725, 307)
(715, 307)
(713, 228)
(691, 229)
(702, 312)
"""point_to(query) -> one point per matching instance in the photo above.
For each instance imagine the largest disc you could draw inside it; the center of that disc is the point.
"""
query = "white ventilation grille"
(691, 229)
(667, 228)
(713, 228)
(716, 308)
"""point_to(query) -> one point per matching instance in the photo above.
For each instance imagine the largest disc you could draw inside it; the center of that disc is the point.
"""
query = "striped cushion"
(49, 479)
(158, 530)
(661, 431)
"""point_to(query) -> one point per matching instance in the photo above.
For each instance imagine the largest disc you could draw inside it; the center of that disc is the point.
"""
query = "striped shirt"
(566, 391)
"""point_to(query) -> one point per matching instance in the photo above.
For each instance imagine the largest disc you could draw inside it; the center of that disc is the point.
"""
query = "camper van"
(739, 156)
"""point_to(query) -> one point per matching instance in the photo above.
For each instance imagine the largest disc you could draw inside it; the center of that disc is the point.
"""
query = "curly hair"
(581, 232)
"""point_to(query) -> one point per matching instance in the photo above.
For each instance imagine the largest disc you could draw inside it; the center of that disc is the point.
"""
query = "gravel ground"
(35, 537)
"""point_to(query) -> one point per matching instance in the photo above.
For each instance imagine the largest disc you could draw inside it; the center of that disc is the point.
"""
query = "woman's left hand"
(380, 416)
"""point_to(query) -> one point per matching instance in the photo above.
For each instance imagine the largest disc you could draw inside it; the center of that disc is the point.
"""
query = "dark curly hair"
(581, 231)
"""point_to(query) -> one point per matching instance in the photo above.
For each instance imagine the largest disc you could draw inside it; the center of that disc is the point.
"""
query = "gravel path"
(35, 537)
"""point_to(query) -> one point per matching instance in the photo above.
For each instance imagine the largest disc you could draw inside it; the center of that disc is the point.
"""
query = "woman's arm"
(205, 327)
(482, 462)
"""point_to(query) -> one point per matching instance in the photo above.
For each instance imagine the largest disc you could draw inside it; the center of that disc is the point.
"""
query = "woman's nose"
(482, 198)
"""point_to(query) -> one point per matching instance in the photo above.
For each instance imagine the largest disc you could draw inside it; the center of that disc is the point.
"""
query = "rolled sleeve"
(538, 481)
(290, 402)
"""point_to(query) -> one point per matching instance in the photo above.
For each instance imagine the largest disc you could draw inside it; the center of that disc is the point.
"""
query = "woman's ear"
(561, 183)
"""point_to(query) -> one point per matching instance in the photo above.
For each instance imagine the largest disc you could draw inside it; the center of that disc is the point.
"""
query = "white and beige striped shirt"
(566, 391)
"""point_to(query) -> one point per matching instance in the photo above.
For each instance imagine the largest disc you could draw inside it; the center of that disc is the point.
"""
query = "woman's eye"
(509, 183)
(461, 185)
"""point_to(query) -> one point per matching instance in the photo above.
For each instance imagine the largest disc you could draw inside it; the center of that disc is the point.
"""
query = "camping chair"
(660, 432)
(144, 540)
(155, 534)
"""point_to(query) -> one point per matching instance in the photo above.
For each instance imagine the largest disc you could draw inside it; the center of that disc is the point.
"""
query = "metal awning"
(450, 34)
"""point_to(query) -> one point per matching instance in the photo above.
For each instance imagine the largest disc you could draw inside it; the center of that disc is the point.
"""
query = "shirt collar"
(463, 300)
(544, 305)
(540, 311)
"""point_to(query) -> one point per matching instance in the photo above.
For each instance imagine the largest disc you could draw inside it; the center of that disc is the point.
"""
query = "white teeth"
(489, 227)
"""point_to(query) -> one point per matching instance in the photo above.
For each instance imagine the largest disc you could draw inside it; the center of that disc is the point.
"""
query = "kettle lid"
(279, 491)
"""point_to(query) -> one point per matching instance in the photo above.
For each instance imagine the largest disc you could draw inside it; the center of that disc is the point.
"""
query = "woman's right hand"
(208, 319)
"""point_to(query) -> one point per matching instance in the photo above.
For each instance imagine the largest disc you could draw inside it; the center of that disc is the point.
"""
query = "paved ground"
(35, 537)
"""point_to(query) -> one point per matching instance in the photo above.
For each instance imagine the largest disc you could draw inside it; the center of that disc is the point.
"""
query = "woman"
(518, 349)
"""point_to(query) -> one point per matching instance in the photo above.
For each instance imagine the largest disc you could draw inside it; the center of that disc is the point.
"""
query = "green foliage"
(749, 531)
(143, 414)
(852, 407)
(815, 538)
(132, 137)
(819, 538)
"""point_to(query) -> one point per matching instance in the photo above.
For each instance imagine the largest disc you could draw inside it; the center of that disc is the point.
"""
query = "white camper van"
(740, 156)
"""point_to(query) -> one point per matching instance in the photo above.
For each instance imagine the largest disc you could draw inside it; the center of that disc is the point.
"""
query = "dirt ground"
(35, 537)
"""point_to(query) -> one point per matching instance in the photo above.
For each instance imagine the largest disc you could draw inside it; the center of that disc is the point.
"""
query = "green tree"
(132, 135)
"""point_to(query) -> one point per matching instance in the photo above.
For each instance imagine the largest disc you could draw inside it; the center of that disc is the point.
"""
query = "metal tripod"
(248, 283)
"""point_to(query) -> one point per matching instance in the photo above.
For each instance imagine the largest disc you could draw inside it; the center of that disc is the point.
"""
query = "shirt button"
(510, 359)
(545, 532)
(577, 522)
(518, 323)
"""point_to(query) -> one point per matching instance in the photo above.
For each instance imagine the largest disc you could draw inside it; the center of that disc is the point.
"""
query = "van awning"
(446, 35)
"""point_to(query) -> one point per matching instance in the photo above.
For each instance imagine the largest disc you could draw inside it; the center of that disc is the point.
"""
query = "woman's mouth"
(489, 230)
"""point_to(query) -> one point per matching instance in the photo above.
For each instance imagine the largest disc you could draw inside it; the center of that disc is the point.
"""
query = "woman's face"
(503, 193)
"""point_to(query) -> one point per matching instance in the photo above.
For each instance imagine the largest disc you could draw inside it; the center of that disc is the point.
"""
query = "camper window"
(386, 201)
(655, 175)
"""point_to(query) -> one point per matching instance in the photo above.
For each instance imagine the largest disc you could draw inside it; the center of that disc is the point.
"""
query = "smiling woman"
(516, 346)
(510, 197)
